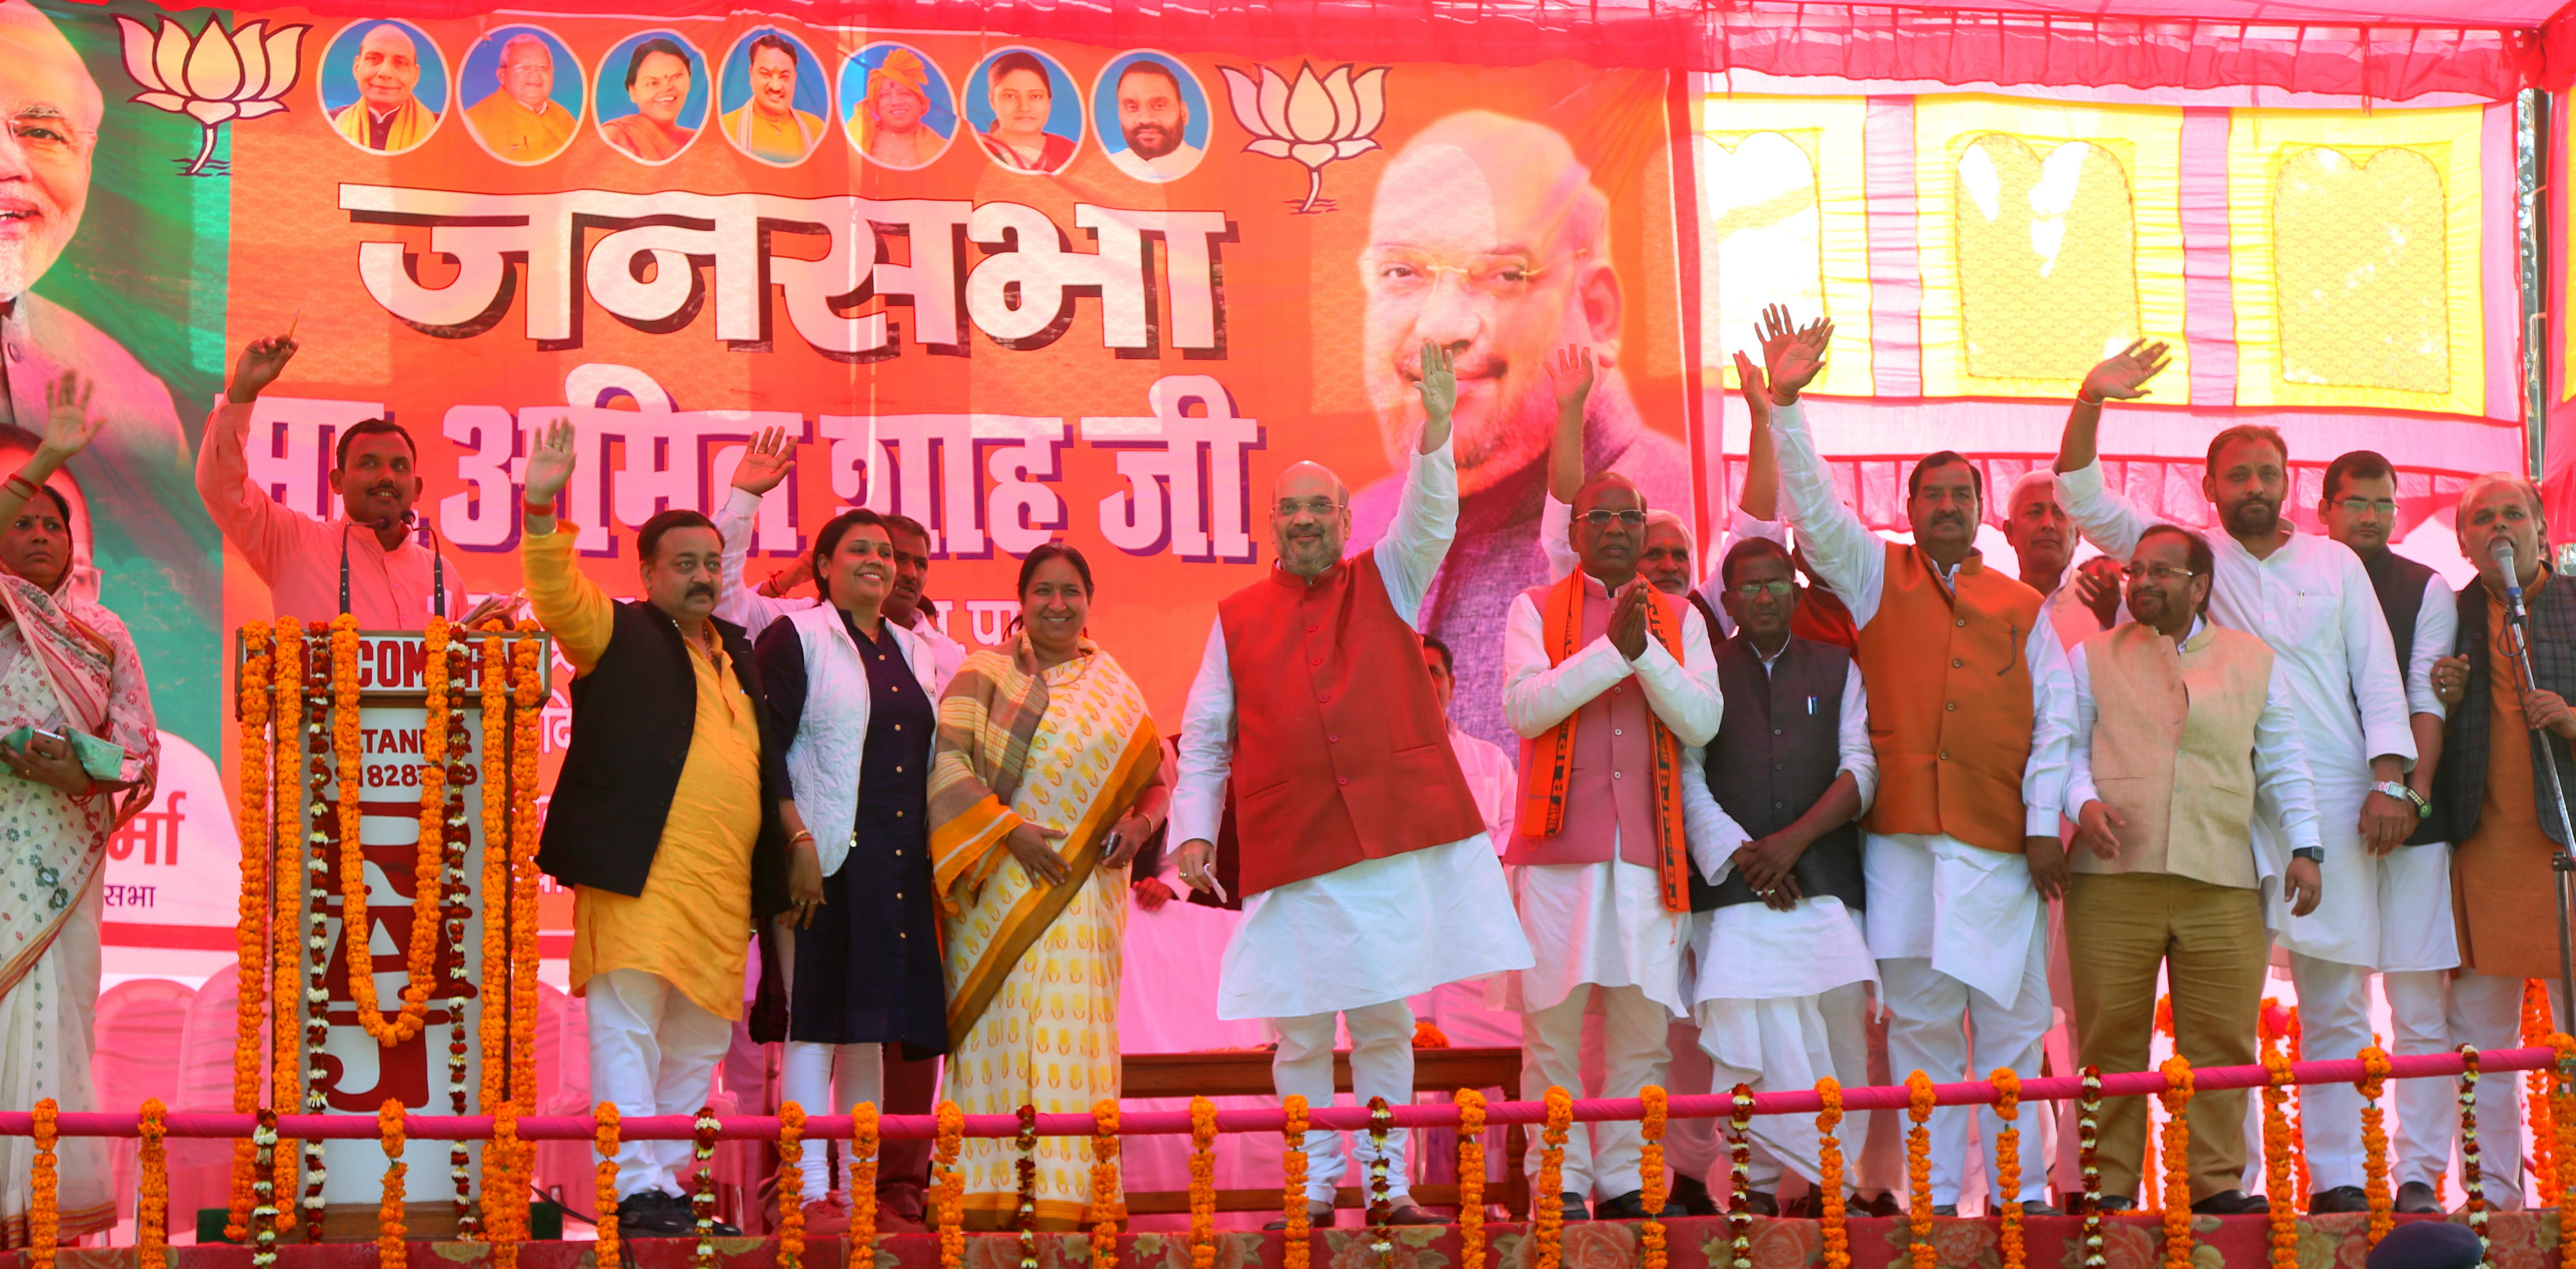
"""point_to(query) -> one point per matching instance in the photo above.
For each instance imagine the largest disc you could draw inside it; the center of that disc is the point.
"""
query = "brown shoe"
(1318, 1216)
(1413, 1214)
(827, 1217)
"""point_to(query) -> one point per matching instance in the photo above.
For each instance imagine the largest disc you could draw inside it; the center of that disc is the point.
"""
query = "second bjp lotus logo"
(214, 76)
(1312, 121)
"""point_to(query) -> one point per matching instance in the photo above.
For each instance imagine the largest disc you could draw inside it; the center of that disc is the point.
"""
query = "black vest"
(1776, 752)
(633, 717)
(2400, 583)
(2460, 784)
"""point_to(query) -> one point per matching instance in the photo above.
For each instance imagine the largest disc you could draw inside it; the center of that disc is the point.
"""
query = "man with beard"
(1154, 118)
(769, 127)
(2310, 599)
(2419, 946)
(1970, 712)
(1488, 240)
(386, 116)
(369, 559)
(1366, 872)
(2495, 795)
(522, 123)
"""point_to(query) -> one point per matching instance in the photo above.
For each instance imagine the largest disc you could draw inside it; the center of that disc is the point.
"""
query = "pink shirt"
(299, 556)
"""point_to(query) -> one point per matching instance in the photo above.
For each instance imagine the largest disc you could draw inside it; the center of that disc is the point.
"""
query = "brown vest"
(1341, 752)
(1950, 705)
(2173, 750)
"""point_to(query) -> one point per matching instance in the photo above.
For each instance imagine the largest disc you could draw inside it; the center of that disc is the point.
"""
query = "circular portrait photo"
(652, 96)
(383, 86)
(1153, 115)
(1026, 111)
(521, 88)
(896, 106)
(776, 102)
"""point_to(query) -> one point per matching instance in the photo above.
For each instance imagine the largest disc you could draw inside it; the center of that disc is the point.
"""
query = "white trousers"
(1636, 1039)
(1692, 1146)
(2334, 1023)
(2472, 1009)
(1801, 1040)
(829, 1079)
(653, 1051)
(2428, 1110)
(1924, 1033)
(1381, 1066)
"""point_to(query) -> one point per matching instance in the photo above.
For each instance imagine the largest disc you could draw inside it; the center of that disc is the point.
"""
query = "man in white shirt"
(1366, 871)
(1774, 804)
(1466, 1013)
(1607, 680)
(2079, 603)
(2310, 599)
(1154, 121)
(1970, 712)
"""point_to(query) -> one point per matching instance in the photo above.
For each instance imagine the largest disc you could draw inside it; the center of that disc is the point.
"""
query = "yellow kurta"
(692, 924)
(781, 140)
(517, 133)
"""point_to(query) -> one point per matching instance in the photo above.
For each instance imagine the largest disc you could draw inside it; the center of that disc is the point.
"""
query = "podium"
(476, 1007)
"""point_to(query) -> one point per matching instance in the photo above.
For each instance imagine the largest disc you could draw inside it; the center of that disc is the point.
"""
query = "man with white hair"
(53, 110)
(2078, 603)
(522, 123)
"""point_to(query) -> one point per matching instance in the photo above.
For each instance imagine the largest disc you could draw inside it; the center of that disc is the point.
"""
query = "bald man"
(386, 115)
(135, 469)
(522, 123)
(1366, 871)
(1488, 240)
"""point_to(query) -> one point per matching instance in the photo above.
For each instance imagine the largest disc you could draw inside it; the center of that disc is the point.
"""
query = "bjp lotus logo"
(213, 76)
(1313, 121)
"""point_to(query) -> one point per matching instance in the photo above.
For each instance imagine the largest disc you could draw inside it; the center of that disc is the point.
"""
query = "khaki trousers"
(2120, 928)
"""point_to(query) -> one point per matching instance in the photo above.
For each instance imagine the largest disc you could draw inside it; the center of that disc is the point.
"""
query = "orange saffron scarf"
(1543, 807)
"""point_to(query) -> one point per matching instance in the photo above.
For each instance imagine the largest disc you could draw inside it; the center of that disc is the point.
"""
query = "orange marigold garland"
(863, 1180)
(1918, 1170)
(1650, 1169)
(1829, 1184)
(2537, 1024)
(604, 1187)
(2177, 1166)
(2562, 1121)
(250, 942)
(2374, 1142)
(1547, 1212)
(504, 1199)
(1202, 1183)
(44, 1216)
(420, 949)
(286, 899)
(791, 1186)
(948, 1186)
(2007, 1084)
(152, 1201)
(391, 1250)
(1295, 1242)
(1104, 1184)
(1471, 1178)
(527, 697)
(2277, 1180)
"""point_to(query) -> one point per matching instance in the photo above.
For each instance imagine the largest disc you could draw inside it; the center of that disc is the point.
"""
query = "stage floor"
(2518, 1241)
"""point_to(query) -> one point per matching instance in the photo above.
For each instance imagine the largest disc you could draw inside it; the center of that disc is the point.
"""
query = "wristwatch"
(2313, 854)
(2403, 793)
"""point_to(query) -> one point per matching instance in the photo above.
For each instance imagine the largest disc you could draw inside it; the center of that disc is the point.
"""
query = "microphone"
(2502, 553)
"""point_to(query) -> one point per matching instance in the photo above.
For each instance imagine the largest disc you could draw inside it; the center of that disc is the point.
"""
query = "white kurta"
(1982, 914)
(1474, 1014)
(1603, 923)
(2314, 604)
(1382, 929)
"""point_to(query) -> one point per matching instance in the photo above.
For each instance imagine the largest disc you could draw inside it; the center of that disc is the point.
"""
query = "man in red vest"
(1366, 871)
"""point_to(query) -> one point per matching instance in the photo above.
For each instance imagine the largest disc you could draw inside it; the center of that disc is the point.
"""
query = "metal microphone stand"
(2562, 864)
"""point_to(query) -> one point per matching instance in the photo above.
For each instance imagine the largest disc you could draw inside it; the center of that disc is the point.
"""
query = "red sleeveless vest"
(1341, 752)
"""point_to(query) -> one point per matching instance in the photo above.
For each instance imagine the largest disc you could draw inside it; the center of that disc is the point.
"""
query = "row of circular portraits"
(386, 89)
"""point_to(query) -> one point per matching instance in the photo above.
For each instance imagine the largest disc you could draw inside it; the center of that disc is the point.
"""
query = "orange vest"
(1950, 705)
(1341, 752)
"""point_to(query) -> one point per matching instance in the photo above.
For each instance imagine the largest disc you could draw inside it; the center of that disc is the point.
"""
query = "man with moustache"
(386, 116)
(1774, 803)
(2179, 726)
(666, 821)
(769, 127)
(1154, 119)
(1489, 240)
(1969, 717)
(2358, 507)
(1366, 871)
(2079, 604)
(522, 122)
(893, 126)
(657, 81)
(369, 560)
(2311, 600)
(2496, 797)
(1607, 680)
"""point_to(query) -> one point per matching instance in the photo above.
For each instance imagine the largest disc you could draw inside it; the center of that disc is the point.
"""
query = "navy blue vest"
(1776, 752)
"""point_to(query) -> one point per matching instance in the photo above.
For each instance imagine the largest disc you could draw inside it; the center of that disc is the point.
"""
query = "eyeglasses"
(1291, 508)
(1404, 272)
(2356, 506)
(1599, 518)
(1754, 590)
(2165, 573)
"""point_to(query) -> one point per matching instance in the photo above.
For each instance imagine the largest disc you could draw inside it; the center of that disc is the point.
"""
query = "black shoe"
(1571, 1204)
(2036, 1207)
(1945, 1209)
(1631, 1206)
(2236, 1203)
(2418, 1199)
(1318, 1216)
(2342, 1198)
(654, 1214)
(2116, 1203)
(1883, 1205)
(1693, 1195)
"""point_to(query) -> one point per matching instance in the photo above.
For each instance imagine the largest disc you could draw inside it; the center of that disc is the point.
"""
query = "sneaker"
(2342, 1198)
(654, 1214)
(2418, 1199)
(2235, 1203)
(1631, 1206)
(827, 1217)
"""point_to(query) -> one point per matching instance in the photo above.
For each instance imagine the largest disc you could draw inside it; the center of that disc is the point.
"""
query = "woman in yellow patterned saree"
(1048, 779)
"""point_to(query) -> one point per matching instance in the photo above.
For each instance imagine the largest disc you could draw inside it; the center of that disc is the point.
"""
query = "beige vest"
(2173, 749)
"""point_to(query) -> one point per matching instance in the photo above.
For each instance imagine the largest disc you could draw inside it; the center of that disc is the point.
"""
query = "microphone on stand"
(2518, 637)
(2502, 554)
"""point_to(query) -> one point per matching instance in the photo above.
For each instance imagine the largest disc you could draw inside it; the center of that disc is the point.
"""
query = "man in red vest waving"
(1366, 871)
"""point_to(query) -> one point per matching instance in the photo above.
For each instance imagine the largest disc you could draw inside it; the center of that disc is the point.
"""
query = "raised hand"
(69, 425)
(550, 463)
(1571, 372)
(1437, 382)
(2123, 375)
(260, 363)
(1792, 356)
(765, 462)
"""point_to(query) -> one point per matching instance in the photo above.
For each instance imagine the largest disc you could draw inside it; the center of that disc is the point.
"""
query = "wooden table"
(1246, 1073)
